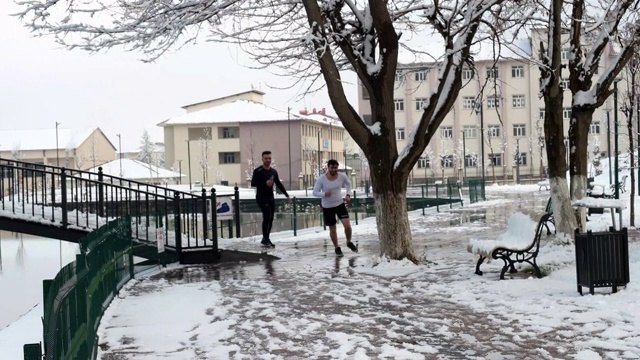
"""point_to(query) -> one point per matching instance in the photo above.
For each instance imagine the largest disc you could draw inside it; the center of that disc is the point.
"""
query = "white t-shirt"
(324, 185)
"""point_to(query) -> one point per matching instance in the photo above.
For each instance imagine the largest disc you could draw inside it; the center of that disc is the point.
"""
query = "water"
(25, 261)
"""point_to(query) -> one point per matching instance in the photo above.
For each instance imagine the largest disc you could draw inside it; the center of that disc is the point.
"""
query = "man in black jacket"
(263, 179)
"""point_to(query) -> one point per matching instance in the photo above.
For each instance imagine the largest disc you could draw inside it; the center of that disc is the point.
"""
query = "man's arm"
(276, 179)
(317, 188)
(348, 183)
(254, 178)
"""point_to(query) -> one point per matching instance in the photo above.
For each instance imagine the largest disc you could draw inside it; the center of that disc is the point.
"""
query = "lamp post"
(609, 142)
(319, 164)
(615, 117)
(180, 171)
(189, 161)
(479, 110)
(57, 147)
(518, 161)
(289, 129)
(464, 158)
(120, 152)
(638, 142)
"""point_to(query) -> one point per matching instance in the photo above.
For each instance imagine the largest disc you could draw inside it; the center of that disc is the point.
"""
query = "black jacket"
(259, 181)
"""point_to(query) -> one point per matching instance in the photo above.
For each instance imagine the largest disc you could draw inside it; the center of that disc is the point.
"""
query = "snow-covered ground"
(309, 304)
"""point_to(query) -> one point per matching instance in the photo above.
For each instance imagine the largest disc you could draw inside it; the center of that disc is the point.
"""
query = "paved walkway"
(309, 303)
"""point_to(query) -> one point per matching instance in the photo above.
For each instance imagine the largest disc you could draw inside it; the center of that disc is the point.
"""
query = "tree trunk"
(394, 231)
(632, 165)
(579, 159)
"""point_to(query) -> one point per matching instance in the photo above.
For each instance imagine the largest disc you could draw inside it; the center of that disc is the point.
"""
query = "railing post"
(204, 214)
(438, 197)
(355, 211)
(100, 193)
(63, 199)
(214, 220)
(422, 188)
(178, 230)
(295, 217)
(236, 209)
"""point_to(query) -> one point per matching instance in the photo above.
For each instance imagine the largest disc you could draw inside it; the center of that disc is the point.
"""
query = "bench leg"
(480, 261)
(536, 268)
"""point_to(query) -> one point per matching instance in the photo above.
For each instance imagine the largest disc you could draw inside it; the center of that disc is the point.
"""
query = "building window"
(564, 83)
(446, 161)
(470, 131)
(467, 74)
(521, 159)
(400, 134)
(423, 162)
(517, 71)
(421, 103)
(199, 133)
(519, 130)
(541, 114)
(496, 159)
(446, 132)
(468, 102)
(399, 75)
(493, 102)
(492, 73)
(566, 113)
(421, 75)
(518, 101)
(399, 104)
(229, 158)
(229, 132)
(469, 161)
(565, 54)
(595, 127)
(494, 131)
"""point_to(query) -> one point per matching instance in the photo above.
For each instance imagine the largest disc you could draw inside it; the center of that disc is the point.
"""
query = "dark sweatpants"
(268, 211)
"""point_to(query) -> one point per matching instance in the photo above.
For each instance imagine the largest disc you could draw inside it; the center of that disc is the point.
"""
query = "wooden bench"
(519, 244)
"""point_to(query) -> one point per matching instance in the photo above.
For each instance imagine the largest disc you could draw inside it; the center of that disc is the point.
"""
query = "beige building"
(220, 141)
(71, 148)
(512, 115)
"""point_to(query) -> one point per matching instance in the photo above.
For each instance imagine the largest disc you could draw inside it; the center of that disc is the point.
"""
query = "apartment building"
(500, 96)
(220, 141)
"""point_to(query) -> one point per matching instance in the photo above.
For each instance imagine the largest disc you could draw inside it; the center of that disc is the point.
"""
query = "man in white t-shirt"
(329, 188)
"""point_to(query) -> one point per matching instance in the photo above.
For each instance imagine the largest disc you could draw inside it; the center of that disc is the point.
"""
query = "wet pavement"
(307, 304)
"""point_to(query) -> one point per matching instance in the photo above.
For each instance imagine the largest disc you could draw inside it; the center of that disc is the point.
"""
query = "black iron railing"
(85, 200)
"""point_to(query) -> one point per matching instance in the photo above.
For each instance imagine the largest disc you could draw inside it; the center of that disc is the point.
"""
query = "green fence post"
(176, 217)
(422, 188)
(355, 213)
(236, 209)
(438, 197)
(295, 217)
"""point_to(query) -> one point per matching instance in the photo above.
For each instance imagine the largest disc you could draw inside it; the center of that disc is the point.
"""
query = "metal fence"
(76, 298)
(476, 191)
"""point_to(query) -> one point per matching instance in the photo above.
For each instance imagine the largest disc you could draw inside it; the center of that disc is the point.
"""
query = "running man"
(263, 179)
(329, 188)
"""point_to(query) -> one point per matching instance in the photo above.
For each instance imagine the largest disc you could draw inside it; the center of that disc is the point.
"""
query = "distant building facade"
(220, 141)
(511, 113)
(70, 148)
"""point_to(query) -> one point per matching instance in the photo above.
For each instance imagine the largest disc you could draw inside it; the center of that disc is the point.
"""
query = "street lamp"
(607, 109)
(464, 158)
(319, 161)
(189, 161)
(289, 128)
(57, 147)
(478, 110)
(615, 117)
(120, 152)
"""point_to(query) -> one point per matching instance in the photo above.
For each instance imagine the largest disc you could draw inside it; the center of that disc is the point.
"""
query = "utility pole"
(57, 147)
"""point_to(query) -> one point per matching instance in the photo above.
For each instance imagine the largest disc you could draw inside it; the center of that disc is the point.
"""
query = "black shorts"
(330, 214)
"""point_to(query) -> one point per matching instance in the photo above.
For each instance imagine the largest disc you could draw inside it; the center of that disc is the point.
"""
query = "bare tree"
(205, 153)
(631, 110)
(311, 41)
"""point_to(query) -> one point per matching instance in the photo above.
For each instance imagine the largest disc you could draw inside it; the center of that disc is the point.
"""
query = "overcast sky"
(41, 84)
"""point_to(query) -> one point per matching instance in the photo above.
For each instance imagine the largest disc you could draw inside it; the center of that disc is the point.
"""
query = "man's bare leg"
(333, 234)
